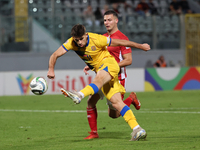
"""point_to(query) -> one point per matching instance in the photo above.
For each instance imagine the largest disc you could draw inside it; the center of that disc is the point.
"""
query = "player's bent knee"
(92, 100)
(113, 114)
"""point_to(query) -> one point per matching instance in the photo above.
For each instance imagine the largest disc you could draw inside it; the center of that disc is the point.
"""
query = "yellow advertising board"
(21, 20)
(192, 34)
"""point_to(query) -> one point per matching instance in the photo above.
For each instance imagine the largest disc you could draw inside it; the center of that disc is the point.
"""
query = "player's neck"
(112, 31)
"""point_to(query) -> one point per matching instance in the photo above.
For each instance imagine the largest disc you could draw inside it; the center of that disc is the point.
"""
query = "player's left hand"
(86, 69)
(145, 47)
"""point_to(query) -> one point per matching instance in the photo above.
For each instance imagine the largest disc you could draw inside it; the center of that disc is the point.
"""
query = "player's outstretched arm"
(52, 61)
(126, 43)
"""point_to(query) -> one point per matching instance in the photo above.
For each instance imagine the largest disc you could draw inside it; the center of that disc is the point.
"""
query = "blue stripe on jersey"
(106, 69)
(110, 42)
(94, 87)
(88, 41)
(64, 48)
(124, 110)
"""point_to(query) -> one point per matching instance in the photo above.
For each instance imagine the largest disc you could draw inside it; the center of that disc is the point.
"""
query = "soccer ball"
(38, 86)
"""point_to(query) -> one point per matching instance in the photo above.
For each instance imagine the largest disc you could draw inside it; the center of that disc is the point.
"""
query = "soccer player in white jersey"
(123, 55)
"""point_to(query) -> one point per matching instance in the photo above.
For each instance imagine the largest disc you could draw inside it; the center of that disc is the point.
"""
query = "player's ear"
(116, 20)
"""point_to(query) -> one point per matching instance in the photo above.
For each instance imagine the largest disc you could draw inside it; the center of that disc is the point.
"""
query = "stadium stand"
(58, 18)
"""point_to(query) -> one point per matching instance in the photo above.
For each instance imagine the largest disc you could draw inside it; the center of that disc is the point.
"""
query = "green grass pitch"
(52, 122)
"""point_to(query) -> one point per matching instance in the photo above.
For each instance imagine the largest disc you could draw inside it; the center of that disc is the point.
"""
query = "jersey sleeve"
(124, 49)
(68, 45)
(103, 41)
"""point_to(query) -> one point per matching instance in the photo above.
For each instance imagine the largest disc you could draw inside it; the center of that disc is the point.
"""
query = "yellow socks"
(89, 90)
(129, 117)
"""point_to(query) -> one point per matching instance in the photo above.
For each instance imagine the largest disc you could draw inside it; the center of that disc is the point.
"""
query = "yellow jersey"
(94, 51)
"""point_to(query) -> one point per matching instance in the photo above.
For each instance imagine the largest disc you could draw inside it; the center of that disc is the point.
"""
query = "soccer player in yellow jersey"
(91, 48)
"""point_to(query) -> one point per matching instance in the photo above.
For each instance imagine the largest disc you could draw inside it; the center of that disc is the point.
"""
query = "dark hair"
(109, 12)
(78, 30)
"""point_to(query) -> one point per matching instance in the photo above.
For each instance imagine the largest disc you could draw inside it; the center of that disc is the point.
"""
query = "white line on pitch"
(191, 108)
(65, 111)
(101, 111)
(170, 112)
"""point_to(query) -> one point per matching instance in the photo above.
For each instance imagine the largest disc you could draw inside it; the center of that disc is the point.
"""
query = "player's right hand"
(145, 47)
(86, 69)
(51, 74)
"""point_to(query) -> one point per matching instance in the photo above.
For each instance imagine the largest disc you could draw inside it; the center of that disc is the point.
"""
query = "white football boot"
(138, 134)
(75, 96)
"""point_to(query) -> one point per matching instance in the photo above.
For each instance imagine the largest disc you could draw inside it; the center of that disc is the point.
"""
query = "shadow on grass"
(114, 135)
(105, 135)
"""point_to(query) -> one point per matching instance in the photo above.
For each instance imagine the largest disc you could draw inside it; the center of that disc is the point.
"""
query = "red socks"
(92, 118)
(92, 115)
(128, 101)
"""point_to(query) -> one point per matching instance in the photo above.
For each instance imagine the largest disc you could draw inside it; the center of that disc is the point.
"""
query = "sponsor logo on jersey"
(101, 66)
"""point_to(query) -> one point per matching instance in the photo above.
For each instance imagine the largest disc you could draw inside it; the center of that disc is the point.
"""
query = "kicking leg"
(101, 78)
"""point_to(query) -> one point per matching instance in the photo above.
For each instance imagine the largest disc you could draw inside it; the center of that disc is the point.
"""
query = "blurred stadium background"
(31, 30)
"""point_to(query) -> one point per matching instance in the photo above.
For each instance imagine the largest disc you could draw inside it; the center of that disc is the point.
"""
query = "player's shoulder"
(93, 34)
(96, 37)
(105, 34)
(121, 35)
(69, 41)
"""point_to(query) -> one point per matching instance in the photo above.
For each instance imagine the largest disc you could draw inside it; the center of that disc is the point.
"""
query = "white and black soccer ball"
(38, 86)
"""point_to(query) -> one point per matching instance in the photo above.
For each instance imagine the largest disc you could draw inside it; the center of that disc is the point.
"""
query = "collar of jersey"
(114, 33)
(88, 40)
